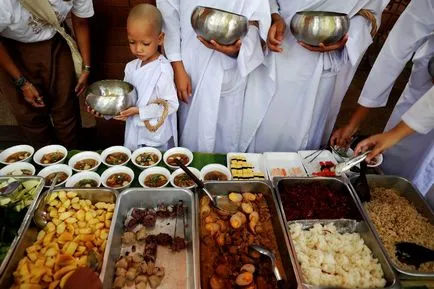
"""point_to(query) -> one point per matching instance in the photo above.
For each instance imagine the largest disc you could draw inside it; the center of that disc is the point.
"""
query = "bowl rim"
(65, 169)
(113, 170)
(141, 150)
(148, 171)
(380, 159)
(105, 81)
(39, 151)
(80, 176)
(219, 167)
(73, 160)
(5, 153)
(104, 154)
(16, 164)
(321, 13)
(171, 151)
(180, 171)
(217, 9)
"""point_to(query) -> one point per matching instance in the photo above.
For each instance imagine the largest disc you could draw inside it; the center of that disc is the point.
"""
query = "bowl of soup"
(115, 156)
(50, 155)
(146, 157)
(18, 169)
(179, 179)
(215, 172)
(178, 153)
(155, 177)
(50, 172)
(85, 161)
(19, 153)
(85, 179)
(117, 177)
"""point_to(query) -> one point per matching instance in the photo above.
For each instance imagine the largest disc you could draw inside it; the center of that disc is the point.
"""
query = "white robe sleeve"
(165, 89)
(410, 31)
(172, 28)
(359, 38)
(420, 117)
(274, 7)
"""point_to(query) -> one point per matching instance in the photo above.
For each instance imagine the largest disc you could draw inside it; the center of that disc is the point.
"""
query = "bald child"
(152, 76)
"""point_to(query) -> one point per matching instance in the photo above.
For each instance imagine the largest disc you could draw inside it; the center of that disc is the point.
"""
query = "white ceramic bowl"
(180, 171)
(73, 180)
(82, 156)
(50, 149)
(379, 161)
(115, 149)
(54, 169)
(15, 169)
(215, 167)
(140, 151)
(178, 150)
(151, 171)
(116, 170)
(15, 149)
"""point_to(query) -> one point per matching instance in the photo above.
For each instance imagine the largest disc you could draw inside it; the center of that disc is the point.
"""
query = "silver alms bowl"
(219, 25)
(110, 97)
(315, 27)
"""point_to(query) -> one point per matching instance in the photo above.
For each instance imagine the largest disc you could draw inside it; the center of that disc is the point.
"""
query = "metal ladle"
(413, 254)
(41, 217)
(9, 189)
(281, 284)
(220, 202)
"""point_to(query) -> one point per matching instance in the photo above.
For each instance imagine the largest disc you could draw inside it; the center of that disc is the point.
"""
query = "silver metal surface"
(431, 67)
(407, 190)
(363, 228)
(341, 168)
(30, 232)
(26, 220)
(315, 27)
(222, 26)
(262, 250)
(279, 227)
(134, 197)
(352, 226)
(110, 97)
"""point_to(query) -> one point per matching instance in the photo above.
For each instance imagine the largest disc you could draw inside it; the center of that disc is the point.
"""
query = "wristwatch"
(20, 82)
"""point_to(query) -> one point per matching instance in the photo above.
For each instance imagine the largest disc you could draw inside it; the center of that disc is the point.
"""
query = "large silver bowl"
(110, 97)
(218, 25)
(315, 27)
(431, 67)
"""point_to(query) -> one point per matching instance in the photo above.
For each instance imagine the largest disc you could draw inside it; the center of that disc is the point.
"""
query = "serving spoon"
(9, 189)
(413, 254)
(281, 284)
(41, 217)
(220, 202)
(361, 184)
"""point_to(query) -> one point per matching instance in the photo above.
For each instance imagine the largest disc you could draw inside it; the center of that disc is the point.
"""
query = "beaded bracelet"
(20, 82)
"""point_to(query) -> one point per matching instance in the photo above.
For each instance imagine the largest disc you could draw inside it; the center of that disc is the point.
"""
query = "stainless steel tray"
(352, 226)
(132, 198)
(365, 230)
(264, 187)
(27, 216)
(407, 190)
(30, 231)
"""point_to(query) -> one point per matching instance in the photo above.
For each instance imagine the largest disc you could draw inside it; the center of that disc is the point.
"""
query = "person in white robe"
(152, 77)
(411, 38)
(211, 78)
(298, 111)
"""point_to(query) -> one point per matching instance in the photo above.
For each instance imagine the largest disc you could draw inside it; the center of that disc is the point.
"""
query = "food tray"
(407, 190)
(285, 161)
(351, 226)
(314, 166)
(133, 198)
(257, 160)
(30, 230)
(27, 217)
(222, 188)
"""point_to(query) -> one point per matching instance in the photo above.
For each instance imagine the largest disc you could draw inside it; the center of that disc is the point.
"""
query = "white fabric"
(302, 90)
(18, 24)
(153, 80)
(412, 36)
(420, 117)
(211, 119)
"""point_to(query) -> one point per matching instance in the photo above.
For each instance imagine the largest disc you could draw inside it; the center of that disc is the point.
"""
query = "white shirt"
(420, 117)
(19, 24)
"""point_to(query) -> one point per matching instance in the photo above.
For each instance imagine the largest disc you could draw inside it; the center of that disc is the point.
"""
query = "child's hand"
(276, 33)
(326, 48)
(123, 115)
(229, 50)
(182, 81)
(92, 111)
